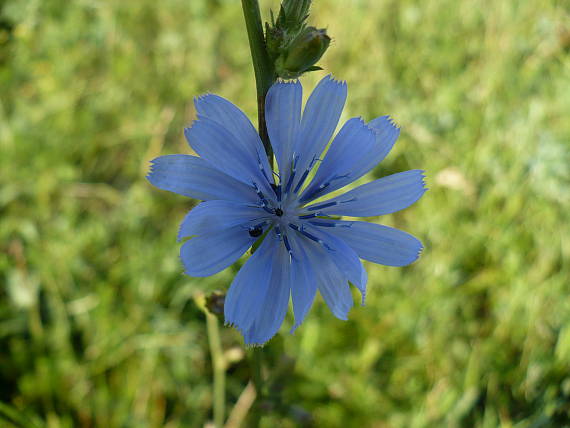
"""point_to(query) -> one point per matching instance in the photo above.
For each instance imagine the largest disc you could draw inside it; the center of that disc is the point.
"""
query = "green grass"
(98, 326)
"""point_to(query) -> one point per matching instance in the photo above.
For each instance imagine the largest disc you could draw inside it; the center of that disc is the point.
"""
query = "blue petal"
(331, 282)
(343, 256)
(249, 288)
(377, 243)
(350, 152)
(383, 196)
(212, 216)
(356, 149)
(319, 120)
(274, 307)
(235, 121)
(193, 177)
(208, 254)
(232, 155)
(387, 132)
(336, 292)
(283, 116)
(303, 281)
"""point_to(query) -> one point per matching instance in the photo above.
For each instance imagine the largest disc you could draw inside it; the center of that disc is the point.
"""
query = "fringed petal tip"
(331, 78)
(422, 174)
(181, 235)
(420, 251)
(385, 126)
(255, 345)
(423, 177)
(243, 332)
(231, 324)
(151, 174)
(363, 299)
(152, 169)
(287, 82)
(365, 125)
(416, 256)
(188, 128)
(392, 122)
(197, 99)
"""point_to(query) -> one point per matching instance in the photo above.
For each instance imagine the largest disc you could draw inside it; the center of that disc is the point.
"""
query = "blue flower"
(305, 247)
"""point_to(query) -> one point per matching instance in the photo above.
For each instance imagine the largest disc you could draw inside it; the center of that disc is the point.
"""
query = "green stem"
(262, 66)
(257, 377)
(219, 368)
(264, 77)
(257, 362)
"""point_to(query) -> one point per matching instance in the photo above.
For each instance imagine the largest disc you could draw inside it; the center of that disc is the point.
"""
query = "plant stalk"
(262, 66)
(219, 369)
(256, 362)
(265, 76)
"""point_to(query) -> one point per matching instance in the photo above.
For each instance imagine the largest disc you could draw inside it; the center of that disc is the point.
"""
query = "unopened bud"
(215, 303)
(303, 53)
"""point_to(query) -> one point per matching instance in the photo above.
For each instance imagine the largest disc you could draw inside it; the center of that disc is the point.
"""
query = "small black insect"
(278, 212)
(255, 231)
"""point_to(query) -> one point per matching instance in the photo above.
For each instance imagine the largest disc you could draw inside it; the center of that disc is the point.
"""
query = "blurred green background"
(98, 326)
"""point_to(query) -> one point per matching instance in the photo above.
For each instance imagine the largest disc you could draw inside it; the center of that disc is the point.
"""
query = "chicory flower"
(305, 247)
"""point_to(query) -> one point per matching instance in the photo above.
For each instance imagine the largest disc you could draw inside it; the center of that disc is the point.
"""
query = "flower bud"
(302, 53)
(214, 303)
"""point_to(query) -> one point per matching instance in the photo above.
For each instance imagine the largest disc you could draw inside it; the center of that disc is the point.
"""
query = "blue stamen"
(290, 181)
(327, 224)
(277, 189)
(293, 171)
(316, 193)
(305, 174)
(329, 204)
(288, 247)
(264, 202)
(302, 180)
(260, 195)
(286, 242)
(321, 206)
(347, 201)
(322, 223)
(260, 164)
(312, 237)
(307, 216)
